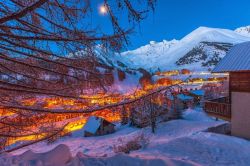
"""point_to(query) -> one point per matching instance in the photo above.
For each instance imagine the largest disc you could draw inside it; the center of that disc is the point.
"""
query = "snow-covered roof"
(184, 97)
(181, 96)
(170, 97)
(92, 124)
(199, 92)
(237, 59)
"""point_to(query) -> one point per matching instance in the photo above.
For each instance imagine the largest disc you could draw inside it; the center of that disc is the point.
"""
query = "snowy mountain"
(199, 50)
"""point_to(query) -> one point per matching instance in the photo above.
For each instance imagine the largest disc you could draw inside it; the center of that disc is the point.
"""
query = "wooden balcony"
(219, 108)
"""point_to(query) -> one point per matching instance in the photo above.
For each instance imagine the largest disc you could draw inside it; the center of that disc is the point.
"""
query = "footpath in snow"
(177, 142)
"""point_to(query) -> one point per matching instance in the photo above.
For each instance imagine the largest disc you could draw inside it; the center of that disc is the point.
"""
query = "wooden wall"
(239, 81)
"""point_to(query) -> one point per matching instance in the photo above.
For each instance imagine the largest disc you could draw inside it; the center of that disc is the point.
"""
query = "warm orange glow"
(6, 112)
(29, 102)
(77, 120)
(26, 138)
(168, 73)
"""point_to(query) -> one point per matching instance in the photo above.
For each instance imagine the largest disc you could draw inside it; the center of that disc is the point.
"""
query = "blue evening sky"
(176, 18)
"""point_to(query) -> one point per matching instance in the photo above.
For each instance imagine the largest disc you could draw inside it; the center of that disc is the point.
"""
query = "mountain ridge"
(215, 42)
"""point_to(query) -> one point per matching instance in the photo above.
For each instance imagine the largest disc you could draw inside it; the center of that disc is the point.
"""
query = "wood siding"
(241, 114)
(239, 81)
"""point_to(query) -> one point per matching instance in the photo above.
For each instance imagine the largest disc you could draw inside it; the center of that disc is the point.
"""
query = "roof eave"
(220, 71)
(229, 71)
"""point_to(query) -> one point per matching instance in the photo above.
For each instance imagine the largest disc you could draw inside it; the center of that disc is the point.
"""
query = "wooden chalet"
(236, 106)
(97, 126)
(198, 95)
(179, 101)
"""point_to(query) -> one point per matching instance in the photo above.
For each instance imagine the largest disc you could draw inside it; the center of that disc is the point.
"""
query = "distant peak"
(243, 27)
(152, 42)
(243, 30)
(203, 28)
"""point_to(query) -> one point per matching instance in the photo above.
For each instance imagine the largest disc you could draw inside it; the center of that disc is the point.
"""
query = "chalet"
(198, 95)
(96, 126)
(184, 101)
(179, 101)
(236, 106)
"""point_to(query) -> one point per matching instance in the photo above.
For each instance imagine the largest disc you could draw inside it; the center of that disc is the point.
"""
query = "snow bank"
(61, 156)
(196, 115)
(58, 156)
(210, 149)
(123, 160)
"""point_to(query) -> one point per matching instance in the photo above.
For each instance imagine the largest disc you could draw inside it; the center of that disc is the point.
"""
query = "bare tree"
(124, 115)
(35, 38)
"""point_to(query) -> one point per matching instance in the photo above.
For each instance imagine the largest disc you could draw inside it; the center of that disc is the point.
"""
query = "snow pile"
(196, 115)
(63, 158)
(209, 149)
(58, 156)
(126, 160)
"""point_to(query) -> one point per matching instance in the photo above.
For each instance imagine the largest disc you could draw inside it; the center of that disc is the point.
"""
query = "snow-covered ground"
(177, 142)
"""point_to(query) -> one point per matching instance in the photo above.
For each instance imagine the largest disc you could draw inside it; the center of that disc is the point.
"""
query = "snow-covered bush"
(138, 142)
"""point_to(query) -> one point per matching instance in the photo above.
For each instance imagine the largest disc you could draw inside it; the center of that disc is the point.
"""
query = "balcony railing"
(219, 108)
